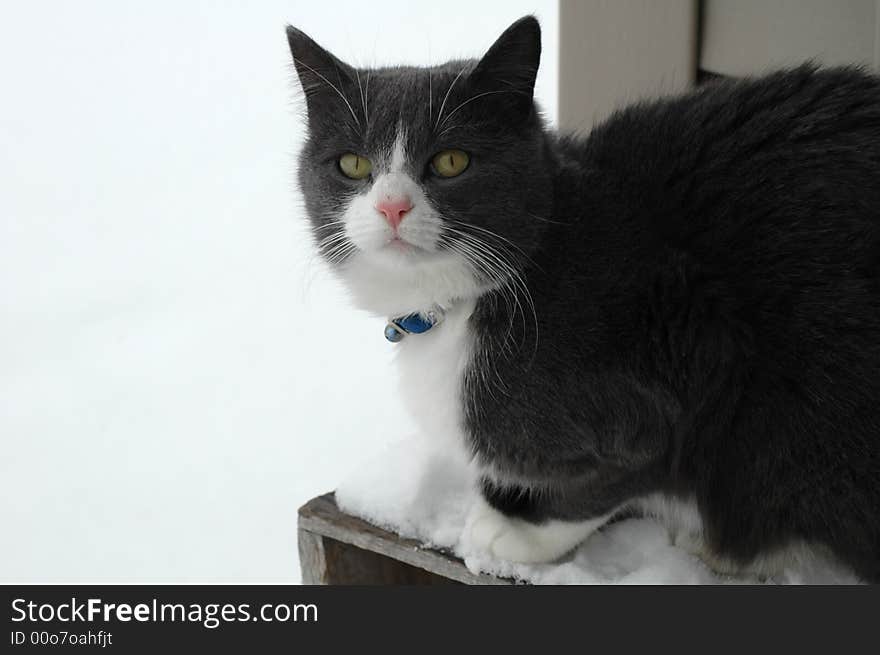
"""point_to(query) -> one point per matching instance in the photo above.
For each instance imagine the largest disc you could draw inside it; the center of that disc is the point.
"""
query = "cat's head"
(424, 185)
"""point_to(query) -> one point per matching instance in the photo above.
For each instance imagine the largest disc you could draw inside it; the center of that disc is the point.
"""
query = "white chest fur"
(431, 368)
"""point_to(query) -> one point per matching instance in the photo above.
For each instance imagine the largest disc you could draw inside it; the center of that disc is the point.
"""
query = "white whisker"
(504, 275)
(361, 91)
(332, 86)
(499, 237)
(446, 97)
(471, 99)
(367, 97)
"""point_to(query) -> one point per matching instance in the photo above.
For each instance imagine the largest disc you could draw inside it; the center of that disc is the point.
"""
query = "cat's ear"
(511, 64)
(321, 74)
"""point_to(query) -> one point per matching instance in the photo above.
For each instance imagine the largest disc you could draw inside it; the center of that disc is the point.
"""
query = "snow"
(416, 490)
(178, 372)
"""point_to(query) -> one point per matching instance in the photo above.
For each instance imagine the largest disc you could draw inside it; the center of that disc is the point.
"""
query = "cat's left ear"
(511, 64)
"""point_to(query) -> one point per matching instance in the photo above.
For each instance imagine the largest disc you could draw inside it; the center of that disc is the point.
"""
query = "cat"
(678, 313)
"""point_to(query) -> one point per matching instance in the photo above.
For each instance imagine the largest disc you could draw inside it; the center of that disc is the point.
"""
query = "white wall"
(177, 372)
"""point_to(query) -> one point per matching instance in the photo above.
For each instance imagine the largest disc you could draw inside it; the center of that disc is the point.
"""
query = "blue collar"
(417, 323)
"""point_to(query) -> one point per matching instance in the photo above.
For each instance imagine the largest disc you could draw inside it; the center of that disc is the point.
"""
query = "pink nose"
(394, 209)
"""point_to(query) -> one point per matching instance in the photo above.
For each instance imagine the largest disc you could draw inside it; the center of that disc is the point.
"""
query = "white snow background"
(178, 373)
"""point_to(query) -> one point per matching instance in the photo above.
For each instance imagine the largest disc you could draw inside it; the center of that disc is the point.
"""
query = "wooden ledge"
(336, 548)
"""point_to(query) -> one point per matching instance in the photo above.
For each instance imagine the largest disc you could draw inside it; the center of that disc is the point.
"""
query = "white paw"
(489, 531)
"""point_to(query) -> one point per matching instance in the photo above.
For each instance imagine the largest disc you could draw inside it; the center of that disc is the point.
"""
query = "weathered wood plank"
(312, 561)
(321, 517)
(350, 565)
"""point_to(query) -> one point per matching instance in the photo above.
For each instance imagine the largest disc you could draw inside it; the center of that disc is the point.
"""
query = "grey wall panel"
(742, 37)
(877, 36)
(613, 52)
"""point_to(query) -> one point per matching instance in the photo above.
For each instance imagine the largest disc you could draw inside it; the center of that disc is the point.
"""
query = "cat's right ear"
(511, 64)
(320, 73)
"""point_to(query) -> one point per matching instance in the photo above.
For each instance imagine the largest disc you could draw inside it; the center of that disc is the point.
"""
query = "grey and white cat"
(679, 313)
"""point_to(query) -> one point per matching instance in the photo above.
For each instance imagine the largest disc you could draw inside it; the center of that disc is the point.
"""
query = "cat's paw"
(489, 531)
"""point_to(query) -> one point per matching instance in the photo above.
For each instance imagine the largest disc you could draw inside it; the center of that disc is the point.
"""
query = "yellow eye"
(449, 163)
(355, 166)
